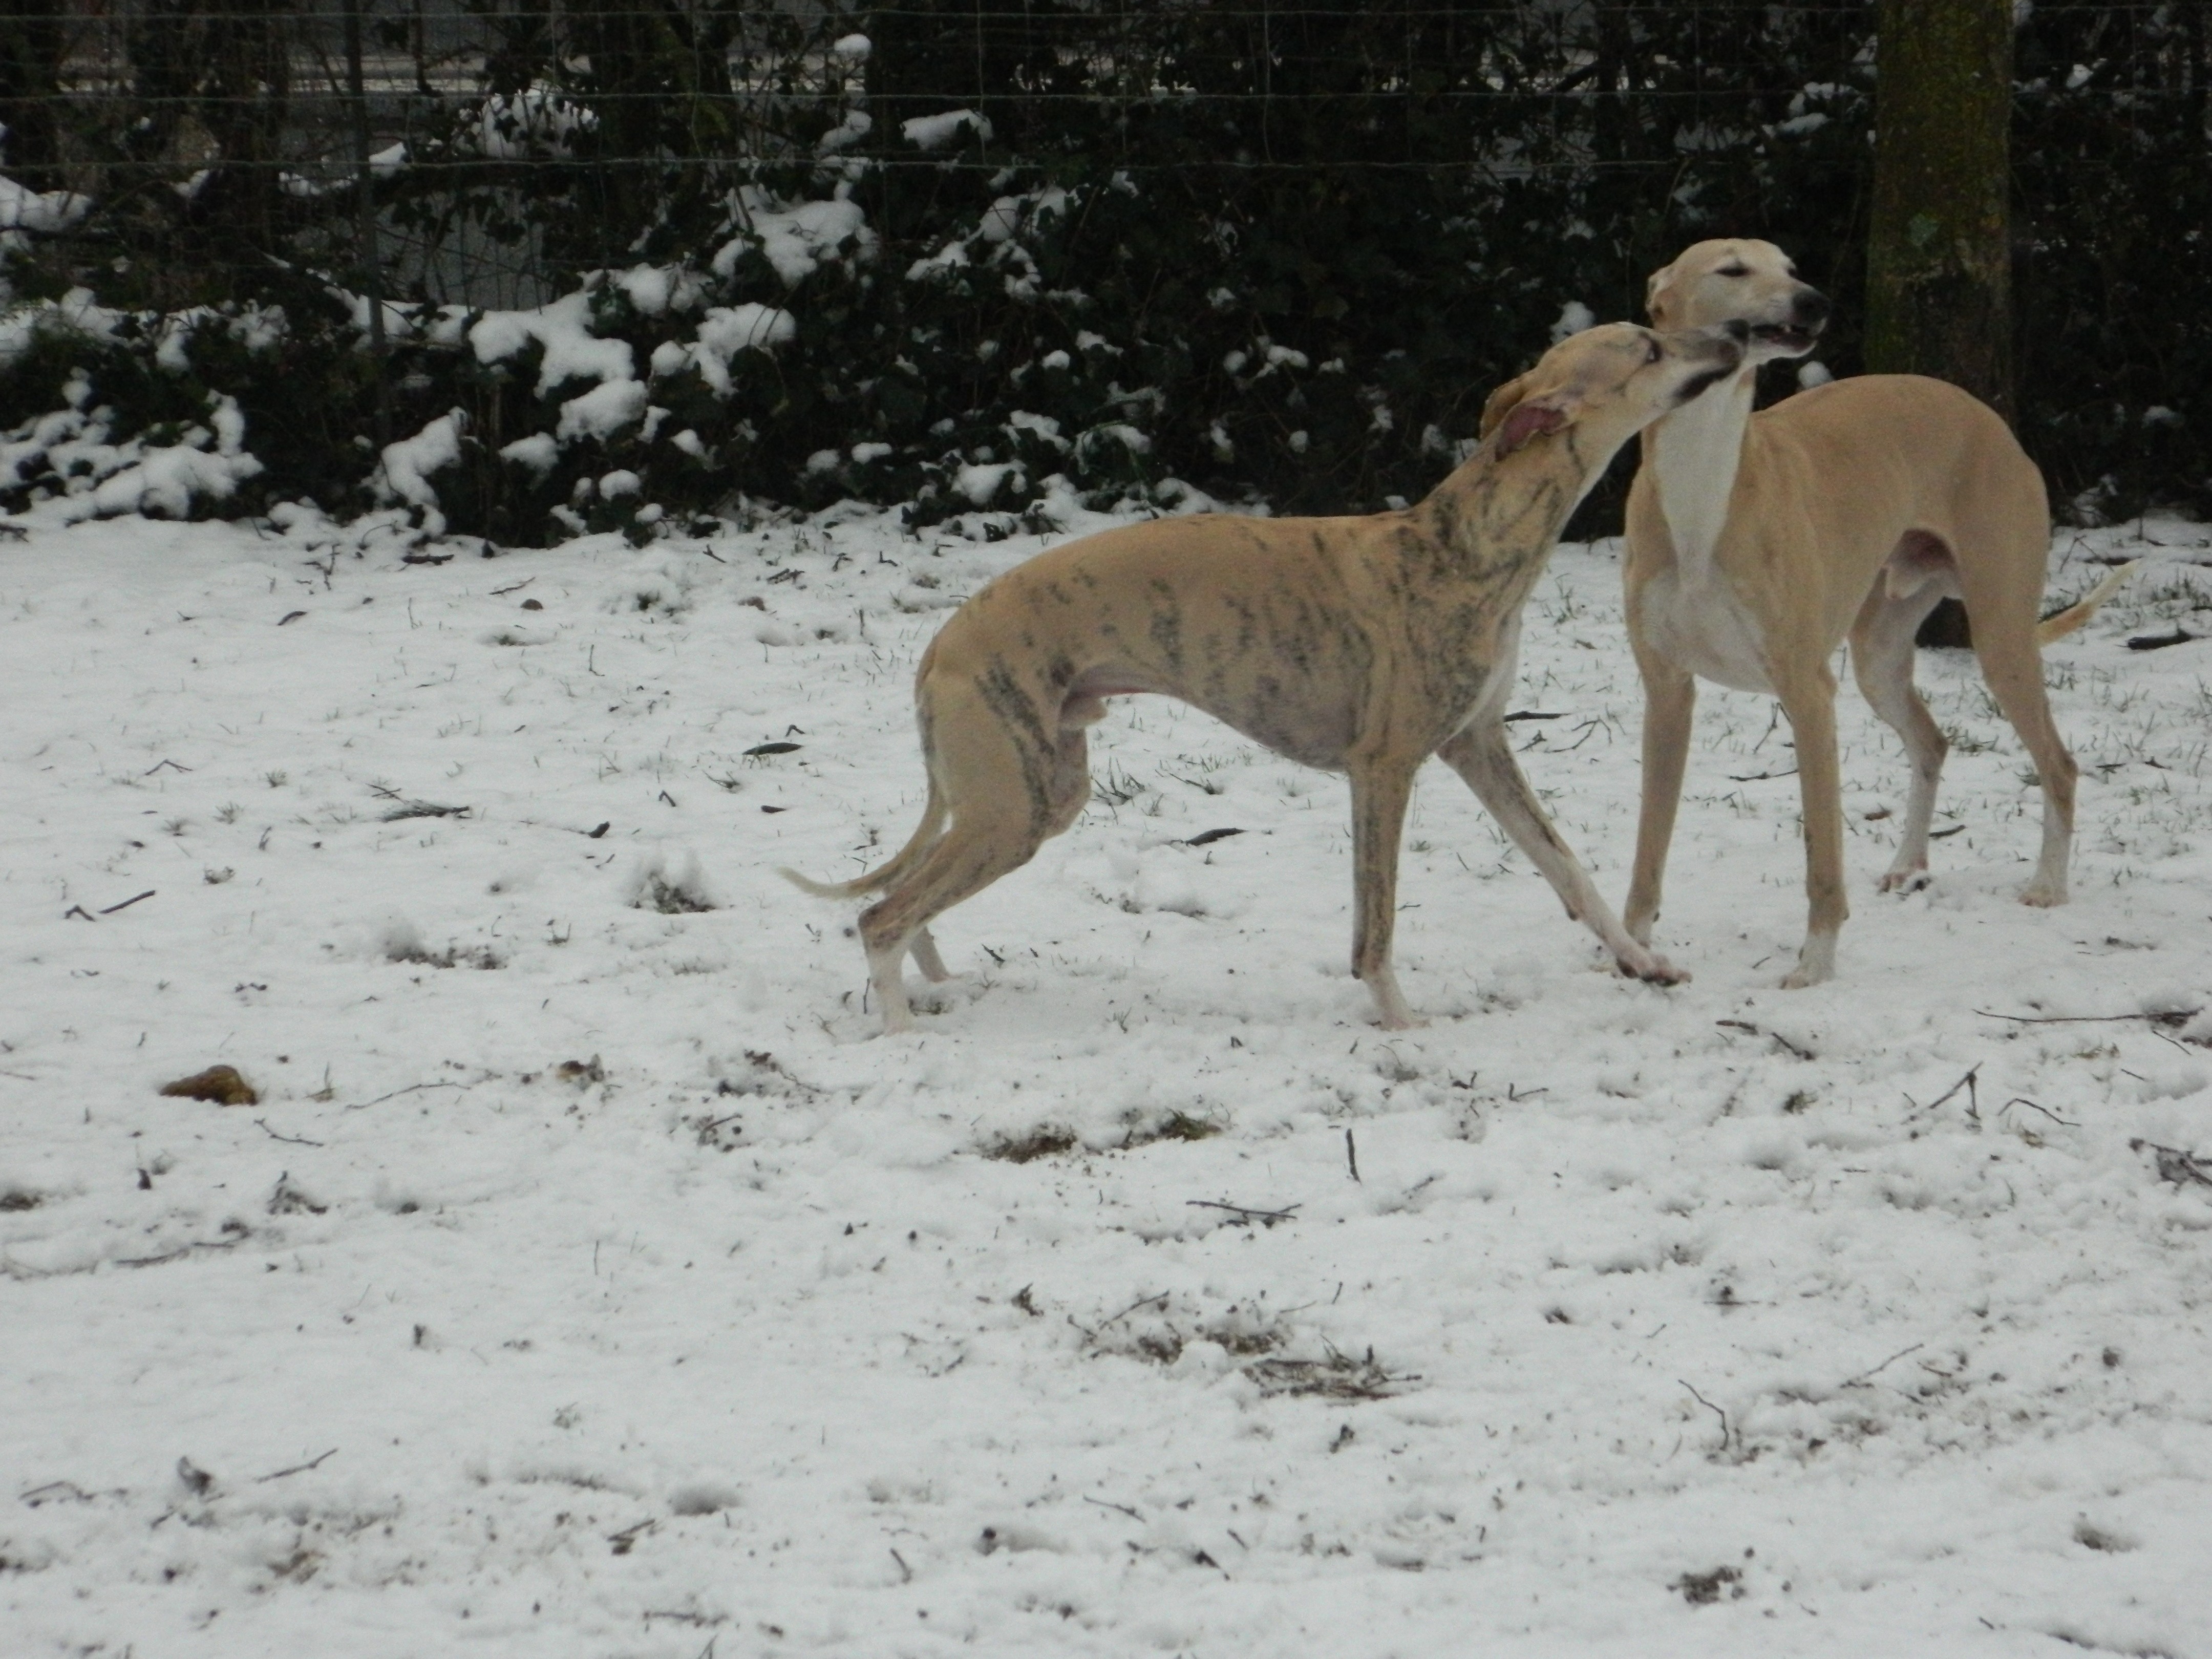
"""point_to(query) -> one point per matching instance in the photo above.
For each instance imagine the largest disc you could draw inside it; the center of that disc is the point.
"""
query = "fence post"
(1939, 248)
(367, 252)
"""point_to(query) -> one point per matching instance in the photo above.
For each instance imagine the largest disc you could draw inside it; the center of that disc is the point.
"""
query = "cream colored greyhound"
(1359, 645)
(1757, 543)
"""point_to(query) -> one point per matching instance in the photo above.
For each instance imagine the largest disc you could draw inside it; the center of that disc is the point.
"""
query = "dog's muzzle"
(1809, 311)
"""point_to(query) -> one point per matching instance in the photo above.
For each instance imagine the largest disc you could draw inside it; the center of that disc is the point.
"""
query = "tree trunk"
(1939, 250)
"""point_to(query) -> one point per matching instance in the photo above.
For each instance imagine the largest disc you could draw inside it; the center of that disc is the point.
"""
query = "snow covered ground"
(588, 1281)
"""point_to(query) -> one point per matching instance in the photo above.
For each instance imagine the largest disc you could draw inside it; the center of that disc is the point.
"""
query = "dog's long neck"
(1693, 455)
(1498, 510)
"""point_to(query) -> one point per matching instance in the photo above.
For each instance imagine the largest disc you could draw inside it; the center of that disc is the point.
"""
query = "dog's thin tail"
(2058, 627)
(925, 836)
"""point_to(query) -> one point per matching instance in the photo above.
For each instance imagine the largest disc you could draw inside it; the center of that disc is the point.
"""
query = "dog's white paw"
(1391, 1011)
(1655, 969)
(1905, 881)
(2044, 894)
(1635, 962)
(1816, 963)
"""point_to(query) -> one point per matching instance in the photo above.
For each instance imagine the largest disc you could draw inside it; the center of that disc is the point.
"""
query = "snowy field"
(587, 1280)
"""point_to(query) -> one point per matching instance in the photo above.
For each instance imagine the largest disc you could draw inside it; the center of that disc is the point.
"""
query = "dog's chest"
(1694, 455)
(1696, 622)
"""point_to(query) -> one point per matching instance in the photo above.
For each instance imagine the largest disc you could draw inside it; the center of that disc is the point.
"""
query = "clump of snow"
(727, 330)
(76, 312)
(796, 238)
(980, 482)
(403, 321)
(71, 451)
(654, 290)
(603, 412)
(404, 473)
(43, 213)
(563, 329)
(71, 442)
(1574, 317)
(952, 257)
(167, 480)
(936, 131)
(1129, 437)
(1042, 427)
(540, 452)
(258, 328)
(1007, 216)
(539, 120)
(856, 125)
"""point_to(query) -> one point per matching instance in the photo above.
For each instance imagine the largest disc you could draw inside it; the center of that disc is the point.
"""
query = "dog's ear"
(1499, 403)
(1533, 417)
(1655, 296)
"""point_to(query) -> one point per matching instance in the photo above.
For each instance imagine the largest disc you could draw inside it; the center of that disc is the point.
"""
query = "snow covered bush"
(763, 258)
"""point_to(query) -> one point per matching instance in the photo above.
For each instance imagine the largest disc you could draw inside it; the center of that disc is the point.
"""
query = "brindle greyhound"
(1359, 645)
(1757, 542)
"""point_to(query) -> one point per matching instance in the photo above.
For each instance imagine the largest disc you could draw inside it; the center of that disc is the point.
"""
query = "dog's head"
(1609, 383)
(1736, 279)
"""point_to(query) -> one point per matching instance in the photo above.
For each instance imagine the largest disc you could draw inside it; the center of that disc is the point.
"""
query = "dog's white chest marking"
(1691, 613)
(1696, 452)
(1701, 626)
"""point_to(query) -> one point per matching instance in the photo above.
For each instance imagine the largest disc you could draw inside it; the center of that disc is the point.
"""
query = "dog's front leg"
(1670, 698)
(1481, 755)
(1808, 698)
(1380, 793)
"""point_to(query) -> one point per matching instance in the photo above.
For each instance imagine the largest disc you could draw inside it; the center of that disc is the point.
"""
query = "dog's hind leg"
(924, 950)
(964, 860)
(1882, 660)
(1481, 755)
(1380, 791)
(1004, 799)
(2013, 666)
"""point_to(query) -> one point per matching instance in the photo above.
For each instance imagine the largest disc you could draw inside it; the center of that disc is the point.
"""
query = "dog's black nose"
(1812, 309)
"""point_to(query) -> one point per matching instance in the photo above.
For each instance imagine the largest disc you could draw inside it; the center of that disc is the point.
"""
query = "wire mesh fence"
(1415, 191)
(254, 116)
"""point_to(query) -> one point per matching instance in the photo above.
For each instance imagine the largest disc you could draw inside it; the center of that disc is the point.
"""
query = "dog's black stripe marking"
(1167, 624)
(1034, 743)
